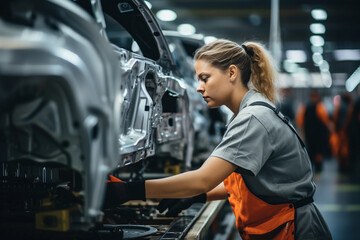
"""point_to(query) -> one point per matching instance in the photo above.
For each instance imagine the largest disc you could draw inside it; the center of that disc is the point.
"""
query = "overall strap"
(306, 200)
(281, 116)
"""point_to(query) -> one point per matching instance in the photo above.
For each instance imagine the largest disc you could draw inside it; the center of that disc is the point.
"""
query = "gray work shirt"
(272, 162)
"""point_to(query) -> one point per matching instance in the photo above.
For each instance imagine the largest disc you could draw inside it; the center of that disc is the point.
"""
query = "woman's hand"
(175, 206)
(119, 192)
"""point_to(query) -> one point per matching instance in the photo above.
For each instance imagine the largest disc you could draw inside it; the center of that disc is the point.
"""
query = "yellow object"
(171, 169)
(46, 202)
(57, 220)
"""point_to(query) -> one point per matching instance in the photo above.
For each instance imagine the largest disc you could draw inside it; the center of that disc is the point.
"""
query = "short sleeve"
(246, 143)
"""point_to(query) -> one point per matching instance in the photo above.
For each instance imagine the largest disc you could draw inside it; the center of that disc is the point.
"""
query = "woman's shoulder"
(254, 96)
(257, 110)
(263, 114)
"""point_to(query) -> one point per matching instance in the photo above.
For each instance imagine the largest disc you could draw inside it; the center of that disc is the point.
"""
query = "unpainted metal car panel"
(156, 107)
(59, 105)
(73, 103)
(146, 124)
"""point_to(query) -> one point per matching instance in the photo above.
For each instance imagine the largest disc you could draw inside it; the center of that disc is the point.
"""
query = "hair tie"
(248, 51)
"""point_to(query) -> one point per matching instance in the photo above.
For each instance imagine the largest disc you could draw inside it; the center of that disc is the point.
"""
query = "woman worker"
(260, 165)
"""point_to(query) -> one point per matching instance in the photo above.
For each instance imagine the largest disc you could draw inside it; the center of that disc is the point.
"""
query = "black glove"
(119, 192)
(175, 206)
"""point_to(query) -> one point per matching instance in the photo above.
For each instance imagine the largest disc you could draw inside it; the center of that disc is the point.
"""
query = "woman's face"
(214, 84)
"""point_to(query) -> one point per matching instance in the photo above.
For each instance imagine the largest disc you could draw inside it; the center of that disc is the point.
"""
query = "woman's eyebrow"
(201, 75)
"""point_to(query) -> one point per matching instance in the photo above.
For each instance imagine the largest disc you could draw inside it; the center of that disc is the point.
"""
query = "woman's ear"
(233, 72)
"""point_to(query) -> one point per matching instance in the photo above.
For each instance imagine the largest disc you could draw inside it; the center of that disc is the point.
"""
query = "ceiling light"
(324, 66)
(317, 49)
(326, 78)
(148, 4)
(319, 14)
(317, 58)
(290, 66)
(317, 28)
(353, 80)
(298, 56)
(347, 54)
(166, 15)
(209, 39)
(317, 41)
(186, 29)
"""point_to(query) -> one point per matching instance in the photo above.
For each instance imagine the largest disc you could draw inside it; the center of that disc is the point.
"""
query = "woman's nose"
(200, 88)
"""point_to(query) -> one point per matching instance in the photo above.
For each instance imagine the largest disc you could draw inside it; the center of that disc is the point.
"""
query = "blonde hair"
(253, 60)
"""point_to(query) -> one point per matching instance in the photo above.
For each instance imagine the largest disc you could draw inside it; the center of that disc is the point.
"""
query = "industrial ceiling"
(242, 20)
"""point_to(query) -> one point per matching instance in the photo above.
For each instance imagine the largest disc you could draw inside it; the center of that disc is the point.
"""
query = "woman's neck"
(236, 99)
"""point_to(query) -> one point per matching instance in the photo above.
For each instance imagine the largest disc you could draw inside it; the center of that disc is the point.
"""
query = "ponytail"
(251, 58)
(263, 71)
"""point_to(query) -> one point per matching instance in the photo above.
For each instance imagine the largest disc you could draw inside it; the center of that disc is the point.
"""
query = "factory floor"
(338, 198)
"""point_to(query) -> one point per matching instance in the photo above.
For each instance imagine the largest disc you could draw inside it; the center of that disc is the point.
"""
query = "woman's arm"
(217, 193)
(188, 184)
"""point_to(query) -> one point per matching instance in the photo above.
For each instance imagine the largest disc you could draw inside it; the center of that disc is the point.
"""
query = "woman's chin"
(212, 105)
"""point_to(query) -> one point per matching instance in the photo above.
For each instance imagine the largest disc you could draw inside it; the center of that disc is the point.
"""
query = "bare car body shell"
(77, 106)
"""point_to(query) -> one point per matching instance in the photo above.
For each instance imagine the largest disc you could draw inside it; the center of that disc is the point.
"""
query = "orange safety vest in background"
(256, 219)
